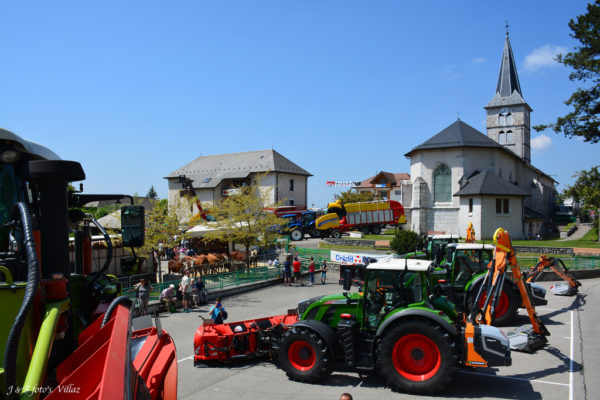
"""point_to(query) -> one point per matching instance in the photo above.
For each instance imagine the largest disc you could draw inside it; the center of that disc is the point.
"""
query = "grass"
(590, 241)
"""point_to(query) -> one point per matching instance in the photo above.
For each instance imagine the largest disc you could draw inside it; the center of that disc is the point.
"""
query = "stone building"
(460, 175)
(215, 177)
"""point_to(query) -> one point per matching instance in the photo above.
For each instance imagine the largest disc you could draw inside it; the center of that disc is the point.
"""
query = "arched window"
(501, 137)
(442, 184)
(509, 119)
(509, 137)
(501, 119)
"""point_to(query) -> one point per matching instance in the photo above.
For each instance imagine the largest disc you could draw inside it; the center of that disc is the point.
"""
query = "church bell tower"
(508, 121)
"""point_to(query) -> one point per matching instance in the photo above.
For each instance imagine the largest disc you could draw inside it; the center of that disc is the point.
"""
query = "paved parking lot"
(555, 372)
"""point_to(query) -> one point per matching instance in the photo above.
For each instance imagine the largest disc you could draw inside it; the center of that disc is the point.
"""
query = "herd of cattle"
(213, 263)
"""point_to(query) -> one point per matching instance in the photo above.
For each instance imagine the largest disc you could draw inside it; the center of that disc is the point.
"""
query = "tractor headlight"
(9, 156)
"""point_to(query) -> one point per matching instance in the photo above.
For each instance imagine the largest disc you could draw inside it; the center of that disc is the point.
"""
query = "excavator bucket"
(525, 339)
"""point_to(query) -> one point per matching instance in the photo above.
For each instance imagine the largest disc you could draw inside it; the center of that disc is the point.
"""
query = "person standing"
(217, 312)
(287, 271)
(297, 277)
(201, 288)
(323, 272)
(143, 291)
(311, 271)
(186, 290)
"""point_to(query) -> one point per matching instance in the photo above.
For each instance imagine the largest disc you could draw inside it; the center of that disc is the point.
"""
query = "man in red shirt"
(297, 276)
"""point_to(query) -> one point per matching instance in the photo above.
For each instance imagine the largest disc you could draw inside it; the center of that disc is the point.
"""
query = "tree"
(586, 189)
(585, 60)
(241, 218)
(355, 197)
(404, 242)
(163, 225)
(152, 193)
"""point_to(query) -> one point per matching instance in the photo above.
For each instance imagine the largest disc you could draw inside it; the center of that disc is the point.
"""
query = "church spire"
(508, 80)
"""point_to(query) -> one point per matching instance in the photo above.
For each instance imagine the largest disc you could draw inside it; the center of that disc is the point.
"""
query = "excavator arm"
(559, 268)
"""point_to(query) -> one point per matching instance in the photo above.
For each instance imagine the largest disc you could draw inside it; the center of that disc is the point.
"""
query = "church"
(461, 175)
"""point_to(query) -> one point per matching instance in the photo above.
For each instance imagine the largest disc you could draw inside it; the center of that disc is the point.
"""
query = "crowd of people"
(293, 263)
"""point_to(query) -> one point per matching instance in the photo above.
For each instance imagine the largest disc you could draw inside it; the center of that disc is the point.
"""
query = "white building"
(213, 177)
(386, 185)
(461, 175)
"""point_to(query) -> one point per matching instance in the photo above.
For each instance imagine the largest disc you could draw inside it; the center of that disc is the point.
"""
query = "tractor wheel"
(364, 230)
(303, 355)
(507, 307)
(336, 234)
(375, 230)
(296, 235)
(417, 356)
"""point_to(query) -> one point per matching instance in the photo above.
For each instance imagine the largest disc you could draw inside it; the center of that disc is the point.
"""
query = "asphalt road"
(555, 372)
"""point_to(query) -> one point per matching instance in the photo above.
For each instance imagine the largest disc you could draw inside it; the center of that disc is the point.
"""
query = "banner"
(345, 258)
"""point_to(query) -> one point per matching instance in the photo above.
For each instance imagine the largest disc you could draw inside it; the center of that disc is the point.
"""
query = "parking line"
(183, 359)
(571, 362)
(514, 378)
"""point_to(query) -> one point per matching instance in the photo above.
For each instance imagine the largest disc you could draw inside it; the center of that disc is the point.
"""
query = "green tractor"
(398, 325)
(461, 271)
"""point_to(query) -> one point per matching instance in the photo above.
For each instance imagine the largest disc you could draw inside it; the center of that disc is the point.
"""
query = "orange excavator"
(559, 268)
(201, 215)
(526, 338)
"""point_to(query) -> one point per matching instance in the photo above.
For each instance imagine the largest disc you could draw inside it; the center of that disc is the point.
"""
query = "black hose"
(109, 252)
(33, 281)
(113, 305)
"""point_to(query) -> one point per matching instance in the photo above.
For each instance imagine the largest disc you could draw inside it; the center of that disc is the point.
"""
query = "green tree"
(404, 242)
(586, 189)
(585, 60)
(151, 193)
(164, 224)
(355, 197)
(241, 218)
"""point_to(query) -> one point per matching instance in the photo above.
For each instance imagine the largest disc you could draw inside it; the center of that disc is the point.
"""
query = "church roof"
(488, 183)
(508, 89)
(209, 171)
(458, 134)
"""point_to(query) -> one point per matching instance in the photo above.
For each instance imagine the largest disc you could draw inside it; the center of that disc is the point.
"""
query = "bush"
(404, 242)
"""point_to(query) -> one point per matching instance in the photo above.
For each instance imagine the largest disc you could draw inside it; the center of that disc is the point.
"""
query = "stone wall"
(544, 250)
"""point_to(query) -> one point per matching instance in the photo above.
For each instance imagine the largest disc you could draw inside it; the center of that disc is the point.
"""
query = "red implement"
(239, 340)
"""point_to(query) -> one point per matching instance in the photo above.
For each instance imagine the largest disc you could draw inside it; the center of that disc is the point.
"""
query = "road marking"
(183, 359)
(571, 362)
(514, 378)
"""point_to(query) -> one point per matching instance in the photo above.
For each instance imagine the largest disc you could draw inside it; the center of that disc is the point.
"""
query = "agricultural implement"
(65, 332)
(569, 288)
(396, 325)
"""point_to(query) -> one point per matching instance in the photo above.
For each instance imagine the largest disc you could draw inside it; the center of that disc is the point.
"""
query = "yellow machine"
(367, 217)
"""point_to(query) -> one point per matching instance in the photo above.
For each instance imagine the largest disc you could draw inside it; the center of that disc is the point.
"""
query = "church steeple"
(508, 80)
(508, 113)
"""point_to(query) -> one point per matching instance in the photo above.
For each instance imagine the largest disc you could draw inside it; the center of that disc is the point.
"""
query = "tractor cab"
(392, 285)
(435, 246)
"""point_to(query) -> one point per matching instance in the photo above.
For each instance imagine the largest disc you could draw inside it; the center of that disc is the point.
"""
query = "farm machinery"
(65, 330)
(299, 225)
(366, 217)
(460, 269)
(569, 288)
(397, 325)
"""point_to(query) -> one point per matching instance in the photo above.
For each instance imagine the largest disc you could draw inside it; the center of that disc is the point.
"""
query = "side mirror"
(347, 281)
(132, 226)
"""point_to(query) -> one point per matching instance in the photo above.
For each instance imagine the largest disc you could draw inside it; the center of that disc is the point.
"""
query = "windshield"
(388, 290)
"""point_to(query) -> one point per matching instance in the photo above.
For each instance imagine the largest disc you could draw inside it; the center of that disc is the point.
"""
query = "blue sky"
(136, 89)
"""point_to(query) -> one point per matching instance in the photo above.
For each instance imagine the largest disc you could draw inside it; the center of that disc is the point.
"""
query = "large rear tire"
(506, 308)
(417, 356)
(296, 235)
(304, 356)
